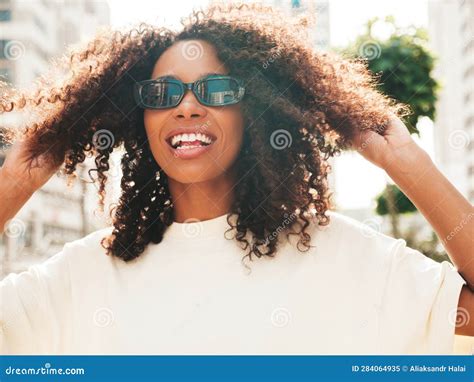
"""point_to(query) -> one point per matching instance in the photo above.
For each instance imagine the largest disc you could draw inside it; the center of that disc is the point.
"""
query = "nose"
(189, 108)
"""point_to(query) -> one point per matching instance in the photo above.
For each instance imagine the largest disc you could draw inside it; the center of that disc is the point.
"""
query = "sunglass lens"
(218, 92)
(161, 94)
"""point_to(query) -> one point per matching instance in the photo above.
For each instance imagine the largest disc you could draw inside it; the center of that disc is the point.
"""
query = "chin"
(194, 174)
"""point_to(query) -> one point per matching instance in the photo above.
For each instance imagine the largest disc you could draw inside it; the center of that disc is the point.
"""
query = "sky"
(357, 181)
(347, 17)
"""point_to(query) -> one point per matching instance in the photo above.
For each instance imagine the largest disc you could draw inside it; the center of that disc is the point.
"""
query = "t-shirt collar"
(196, 229)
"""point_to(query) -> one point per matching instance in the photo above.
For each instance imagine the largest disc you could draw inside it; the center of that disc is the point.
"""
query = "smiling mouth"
(190, 141)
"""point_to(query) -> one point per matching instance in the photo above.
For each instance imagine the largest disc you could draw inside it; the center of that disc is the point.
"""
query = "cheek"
(154, 121)
(232, 126)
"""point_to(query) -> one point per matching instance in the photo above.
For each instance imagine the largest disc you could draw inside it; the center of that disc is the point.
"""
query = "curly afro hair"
(301, 107)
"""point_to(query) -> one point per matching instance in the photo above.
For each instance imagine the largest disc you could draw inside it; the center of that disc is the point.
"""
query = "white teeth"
(190, 138)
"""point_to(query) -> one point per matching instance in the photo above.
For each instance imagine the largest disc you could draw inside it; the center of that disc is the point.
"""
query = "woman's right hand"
(18, 181)
(15, 168)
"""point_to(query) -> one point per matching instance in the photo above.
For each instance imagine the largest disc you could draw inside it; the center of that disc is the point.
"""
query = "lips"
(189, 130)
(190, 152)
(187, 140)
(189, 143)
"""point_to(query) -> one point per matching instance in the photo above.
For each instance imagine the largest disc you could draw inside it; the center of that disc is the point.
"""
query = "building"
(452, 39)
(319, 9)
(31, 33)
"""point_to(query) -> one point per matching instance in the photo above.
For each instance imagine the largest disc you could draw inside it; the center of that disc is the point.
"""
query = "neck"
(202, 201)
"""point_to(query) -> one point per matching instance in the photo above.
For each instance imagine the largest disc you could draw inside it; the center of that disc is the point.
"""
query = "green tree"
(403, 65)
(402, 203)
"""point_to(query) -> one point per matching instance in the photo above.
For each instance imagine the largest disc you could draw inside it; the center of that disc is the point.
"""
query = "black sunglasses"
(214, 90)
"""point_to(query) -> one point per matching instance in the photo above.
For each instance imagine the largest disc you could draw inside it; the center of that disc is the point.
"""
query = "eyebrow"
(204, 75)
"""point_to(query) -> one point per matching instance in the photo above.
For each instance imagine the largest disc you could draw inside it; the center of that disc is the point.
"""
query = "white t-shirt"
(356, 292)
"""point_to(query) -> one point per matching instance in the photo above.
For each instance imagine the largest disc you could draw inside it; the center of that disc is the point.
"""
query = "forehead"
(189, 60)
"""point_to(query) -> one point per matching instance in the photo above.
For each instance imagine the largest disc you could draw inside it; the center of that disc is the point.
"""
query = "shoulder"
(74, 255)
(340, 223)
(360, 245)
(87, 248)
(90, 241)
(346, 236)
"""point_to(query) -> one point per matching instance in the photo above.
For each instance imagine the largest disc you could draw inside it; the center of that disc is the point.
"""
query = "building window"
(11, 49)
(295, 3)
(5, 15)
(6, 75)
(2, 48)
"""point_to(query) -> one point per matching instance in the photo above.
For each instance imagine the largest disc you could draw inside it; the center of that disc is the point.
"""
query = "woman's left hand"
(447, 211)
(395, 148)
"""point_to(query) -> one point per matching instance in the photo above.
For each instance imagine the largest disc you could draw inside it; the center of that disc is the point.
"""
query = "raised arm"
(448, 212)
(18, 182)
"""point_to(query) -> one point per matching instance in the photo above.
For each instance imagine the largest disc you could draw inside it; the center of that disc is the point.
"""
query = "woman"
(222, 240)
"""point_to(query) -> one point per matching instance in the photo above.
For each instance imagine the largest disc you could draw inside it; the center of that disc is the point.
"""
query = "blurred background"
(423, 52)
